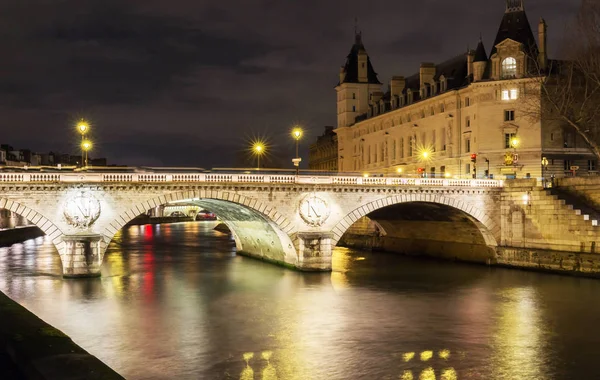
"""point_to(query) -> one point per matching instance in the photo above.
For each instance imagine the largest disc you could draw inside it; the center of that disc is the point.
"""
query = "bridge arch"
(484, 223)
(39, 220)
(258, 229)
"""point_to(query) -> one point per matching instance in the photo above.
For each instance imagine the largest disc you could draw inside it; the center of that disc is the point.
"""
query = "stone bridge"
(297, 220)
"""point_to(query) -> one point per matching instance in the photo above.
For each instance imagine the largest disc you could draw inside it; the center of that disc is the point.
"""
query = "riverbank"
(12, 236)
(32, 349)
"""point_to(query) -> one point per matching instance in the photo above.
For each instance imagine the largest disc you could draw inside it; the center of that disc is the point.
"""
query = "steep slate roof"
(515, 26)
(454, 70)
(351, 67)
(480, 54)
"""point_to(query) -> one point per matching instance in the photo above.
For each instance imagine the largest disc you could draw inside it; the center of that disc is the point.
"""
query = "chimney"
(377, 95)
(362, 66)
(426, 73)
(342, 74)
(543, 55)
(397, 85)
(470, 59)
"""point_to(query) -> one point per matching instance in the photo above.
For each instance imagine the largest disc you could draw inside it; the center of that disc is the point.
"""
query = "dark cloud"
(190, 81)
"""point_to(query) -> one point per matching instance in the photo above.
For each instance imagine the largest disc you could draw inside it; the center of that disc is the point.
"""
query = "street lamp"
(258, 149)
(86, 145)
(425, 155)
(514, 142)
(297, 135)
(82, 127)
(544, 166)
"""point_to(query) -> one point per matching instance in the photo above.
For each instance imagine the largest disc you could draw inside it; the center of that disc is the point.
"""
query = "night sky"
(190, 82)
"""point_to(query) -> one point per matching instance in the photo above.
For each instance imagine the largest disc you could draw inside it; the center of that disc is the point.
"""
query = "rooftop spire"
(515, 6)
(357, 33)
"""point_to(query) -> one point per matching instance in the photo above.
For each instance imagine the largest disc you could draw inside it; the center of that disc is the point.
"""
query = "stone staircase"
(577, 203)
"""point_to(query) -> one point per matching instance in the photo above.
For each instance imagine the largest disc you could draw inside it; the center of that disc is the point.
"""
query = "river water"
(175, 302)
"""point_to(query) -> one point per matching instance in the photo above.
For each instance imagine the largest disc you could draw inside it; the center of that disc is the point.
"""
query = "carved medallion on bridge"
(314, 210)
(82, 209)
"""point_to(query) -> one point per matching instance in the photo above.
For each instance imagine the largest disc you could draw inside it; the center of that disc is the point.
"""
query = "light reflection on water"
(174, 301)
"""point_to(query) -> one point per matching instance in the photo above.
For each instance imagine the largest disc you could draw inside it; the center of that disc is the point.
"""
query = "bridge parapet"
(242, 178)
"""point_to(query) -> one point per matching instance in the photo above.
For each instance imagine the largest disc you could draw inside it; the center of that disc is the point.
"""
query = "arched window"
(509, 67)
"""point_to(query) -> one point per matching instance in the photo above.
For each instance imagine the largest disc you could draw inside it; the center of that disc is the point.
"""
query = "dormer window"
(509, 67)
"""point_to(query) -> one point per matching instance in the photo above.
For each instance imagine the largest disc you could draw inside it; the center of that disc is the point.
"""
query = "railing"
(241, 178)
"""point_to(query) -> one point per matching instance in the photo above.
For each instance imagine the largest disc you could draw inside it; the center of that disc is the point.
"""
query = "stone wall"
(587, 188)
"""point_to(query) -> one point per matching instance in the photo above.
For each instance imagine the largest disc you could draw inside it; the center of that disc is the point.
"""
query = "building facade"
(474, 115)
(323, 154)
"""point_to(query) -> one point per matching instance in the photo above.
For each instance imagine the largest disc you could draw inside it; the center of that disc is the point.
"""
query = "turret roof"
(351, 66)
(515, 26)
(480, 54)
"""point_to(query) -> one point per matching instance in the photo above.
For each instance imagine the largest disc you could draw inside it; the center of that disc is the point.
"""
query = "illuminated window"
(509, 67)
(511, 94)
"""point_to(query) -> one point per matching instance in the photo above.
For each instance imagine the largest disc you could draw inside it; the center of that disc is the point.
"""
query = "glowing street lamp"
(86, 145)
(544, 166)
(399, 171)
(425, 155)
(82, 127)
(258, 149)
(297, 135)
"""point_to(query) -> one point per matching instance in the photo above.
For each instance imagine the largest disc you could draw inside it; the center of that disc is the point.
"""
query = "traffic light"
(474, 161)
(420, 171)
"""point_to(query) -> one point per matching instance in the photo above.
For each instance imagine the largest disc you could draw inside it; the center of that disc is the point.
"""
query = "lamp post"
(86, 145)
(514, 142)
(297, 135)
(82, 127)
(258, 149)
(544, 168)
(424, 155)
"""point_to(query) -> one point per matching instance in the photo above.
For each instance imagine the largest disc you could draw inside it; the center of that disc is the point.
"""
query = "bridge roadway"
(296, 220)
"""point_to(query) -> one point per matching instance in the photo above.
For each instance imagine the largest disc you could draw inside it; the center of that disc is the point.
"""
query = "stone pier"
(314, 251)
(82, 256)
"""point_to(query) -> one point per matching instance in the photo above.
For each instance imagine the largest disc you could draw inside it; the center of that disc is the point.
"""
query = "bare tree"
(570, 88)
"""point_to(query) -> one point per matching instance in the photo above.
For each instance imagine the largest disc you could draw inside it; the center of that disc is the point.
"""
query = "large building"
(472, 115)
(323, 154)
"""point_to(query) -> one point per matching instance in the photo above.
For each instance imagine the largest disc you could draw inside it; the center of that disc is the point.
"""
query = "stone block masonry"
(297, 221)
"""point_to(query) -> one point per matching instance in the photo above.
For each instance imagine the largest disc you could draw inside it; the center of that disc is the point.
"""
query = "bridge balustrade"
(82, 177)
(117, 178)
(11, 177)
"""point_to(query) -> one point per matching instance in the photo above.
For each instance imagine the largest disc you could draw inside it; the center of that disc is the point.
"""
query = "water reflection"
(174, 301)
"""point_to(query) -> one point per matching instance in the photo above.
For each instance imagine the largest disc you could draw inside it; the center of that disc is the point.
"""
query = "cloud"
(197, 74)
